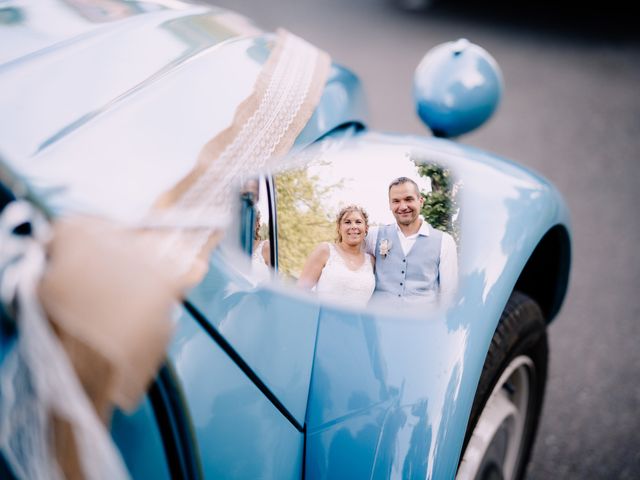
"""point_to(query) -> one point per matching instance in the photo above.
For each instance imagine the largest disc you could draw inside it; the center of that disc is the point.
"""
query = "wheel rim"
(494, 447)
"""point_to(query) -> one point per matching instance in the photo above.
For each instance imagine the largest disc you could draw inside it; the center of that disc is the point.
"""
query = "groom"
(414, 261)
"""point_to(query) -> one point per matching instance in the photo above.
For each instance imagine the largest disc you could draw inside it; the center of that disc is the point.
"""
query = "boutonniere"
(385, 246)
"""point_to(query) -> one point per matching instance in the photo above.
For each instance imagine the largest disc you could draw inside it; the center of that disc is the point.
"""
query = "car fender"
(391, 390)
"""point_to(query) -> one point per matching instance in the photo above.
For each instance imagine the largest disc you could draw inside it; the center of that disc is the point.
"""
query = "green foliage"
(303, 221)
(439, 204)
(440, 177)
(437, 210)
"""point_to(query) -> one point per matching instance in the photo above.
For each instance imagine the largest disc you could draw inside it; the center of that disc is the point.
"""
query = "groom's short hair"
(402, 180)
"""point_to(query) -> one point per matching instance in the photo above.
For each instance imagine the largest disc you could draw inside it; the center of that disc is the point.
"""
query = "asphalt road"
(572, 112)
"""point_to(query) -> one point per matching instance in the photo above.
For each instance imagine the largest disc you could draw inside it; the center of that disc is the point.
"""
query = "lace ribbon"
(264, 128)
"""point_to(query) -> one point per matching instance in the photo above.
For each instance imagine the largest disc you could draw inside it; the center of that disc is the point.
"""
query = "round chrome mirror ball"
(457, 87)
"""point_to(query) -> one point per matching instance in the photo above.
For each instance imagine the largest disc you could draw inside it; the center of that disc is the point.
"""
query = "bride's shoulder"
(322, 250)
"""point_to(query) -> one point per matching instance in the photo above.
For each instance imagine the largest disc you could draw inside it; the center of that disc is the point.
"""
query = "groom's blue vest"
(413, 275)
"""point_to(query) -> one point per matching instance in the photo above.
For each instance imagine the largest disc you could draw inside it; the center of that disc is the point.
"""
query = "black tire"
(519, 344)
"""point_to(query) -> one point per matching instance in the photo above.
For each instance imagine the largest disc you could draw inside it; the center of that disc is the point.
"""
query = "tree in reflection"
(303, 220)
(440, 207)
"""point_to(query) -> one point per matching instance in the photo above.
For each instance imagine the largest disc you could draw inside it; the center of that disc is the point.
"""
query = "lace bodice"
(338, 283)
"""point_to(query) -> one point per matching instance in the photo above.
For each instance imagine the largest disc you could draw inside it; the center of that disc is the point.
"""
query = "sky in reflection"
(363, 176)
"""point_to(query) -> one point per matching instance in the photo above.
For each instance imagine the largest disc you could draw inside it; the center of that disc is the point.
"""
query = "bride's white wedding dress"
(341, 284)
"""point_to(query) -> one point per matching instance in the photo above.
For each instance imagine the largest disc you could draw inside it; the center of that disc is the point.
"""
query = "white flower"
(385, 246)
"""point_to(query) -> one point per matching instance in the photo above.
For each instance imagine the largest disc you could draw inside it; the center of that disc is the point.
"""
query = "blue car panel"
(140, 442)
(273, 332)
(237, 430)
(342, 103)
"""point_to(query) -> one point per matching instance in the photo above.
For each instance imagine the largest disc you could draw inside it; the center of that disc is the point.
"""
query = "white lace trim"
(205, 206)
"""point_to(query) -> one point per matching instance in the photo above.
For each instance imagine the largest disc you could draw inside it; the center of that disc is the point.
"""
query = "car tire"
(507, 406)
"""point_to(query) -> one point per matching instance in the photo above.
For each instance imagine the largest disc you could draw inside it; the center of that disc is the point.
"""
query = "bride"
(341, 271)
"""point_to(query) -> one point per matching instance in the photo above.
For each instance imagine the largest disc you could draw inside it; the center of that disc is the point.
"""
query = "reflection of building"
(106, 10)
(51, 22)
(222, 26)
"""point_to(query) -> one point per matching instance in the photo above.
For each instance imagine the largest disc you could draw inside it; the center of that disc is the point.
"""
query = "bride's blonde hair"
(348, 209)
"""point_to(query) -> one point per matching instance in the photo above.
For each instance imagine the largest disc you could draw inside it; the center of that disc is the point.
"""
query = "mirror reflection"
(365, 224)
(255, 230)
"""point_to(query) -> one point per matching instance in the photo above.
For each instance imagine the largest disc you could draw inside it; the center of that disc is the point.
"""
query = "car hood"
(110, 107)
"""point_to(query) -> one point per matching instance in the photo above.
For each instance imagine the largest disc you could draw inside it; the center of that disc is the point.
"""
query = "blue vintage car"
(106, 106)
